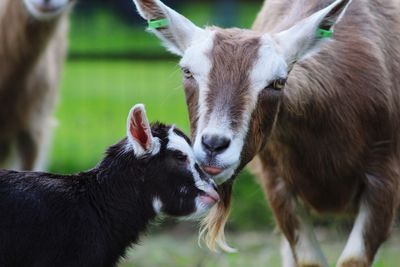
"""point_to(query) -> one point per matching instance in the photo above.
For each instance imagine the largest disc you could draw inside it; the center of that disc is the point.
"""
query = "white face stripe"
(177, 142)
(197, 60)
(355, 248)
(139, 151)
(216, 125)
(57, 6)
(268, 66)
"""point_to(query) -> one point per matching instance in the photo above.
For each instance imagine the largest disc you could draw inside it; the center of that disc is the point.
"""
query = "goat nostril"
(215, 143)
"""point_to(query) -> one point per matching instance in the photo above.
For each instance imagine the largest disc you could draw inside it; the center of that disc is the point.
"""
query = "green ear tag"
(158, 23)
(324, 33)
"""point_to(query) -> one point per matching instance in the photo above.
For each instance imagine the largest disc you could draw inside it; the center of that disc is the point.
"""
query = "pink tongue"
(208, 200)
(210, 197)
(212, 170)
(214, 195)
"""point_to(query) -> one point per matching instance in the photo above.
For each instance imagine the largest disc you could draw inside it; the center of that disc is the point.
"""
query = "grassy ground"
(256, 249)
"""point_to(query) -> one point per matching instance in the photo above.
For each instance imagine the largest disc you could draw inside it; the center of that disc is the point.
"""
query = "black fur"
(89, 219)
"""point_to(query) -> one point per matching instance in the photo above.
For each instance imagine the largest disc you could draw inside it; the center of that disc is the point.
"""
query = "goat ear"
(139, 131)
(176, 31)
(308, 35)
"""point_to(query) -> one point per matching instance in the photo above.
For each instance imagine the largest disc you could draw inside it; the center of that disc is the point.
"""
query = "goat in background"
(33, 42)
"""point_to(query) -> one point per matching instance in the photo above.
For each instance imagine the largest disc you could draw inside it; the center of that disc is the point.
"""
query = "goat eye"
(187, 73)
(277, 84)
(180, 156)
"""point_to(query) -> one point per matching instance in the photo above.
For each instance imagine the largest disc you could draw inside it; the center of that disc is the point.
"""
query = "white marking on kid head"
(157, 205)
(46, 10)
(138, 129)
(177, 142)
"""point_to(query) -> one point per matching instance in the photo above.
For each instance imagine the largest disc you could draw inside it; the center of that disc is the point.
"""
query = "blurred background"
(114, 63)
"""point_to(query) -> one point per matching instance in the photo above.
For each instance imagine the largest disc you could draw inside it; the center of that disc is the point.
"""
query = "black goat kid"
(89, 219)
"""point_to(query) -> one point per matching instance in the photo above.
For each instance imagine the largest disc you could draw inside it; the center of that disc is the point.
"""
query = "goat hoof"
(311, 265)
(354, 263)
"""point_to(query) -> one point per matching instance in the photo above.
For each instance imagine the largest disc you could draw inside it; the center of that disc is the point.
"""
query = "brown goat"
(321, 114)
(32, 52)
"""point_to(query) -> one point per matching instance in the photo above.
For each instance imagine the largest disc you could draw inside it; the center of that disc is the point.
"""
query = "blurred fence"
(114, 30)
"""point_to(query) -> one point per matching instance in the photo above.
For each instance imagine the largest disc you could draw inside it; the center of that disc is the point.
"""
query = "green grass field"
(95, 101)
(256, 249)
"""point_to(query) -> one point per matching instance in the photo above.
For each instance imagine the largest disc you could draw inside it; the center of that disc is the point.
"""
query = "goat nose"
(215, 143)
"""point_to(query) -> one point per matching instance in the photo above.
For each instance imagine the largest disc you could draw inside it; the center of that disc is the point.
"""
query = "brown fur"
(331, 138)
(336, 138)
(31, 57)
(192, 100)
(239, 55)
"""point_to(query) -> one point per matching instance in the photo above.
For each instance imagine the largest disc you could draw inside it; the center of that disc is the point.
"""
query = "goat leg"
(28, 149)
(300, 247)
(375, 217)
